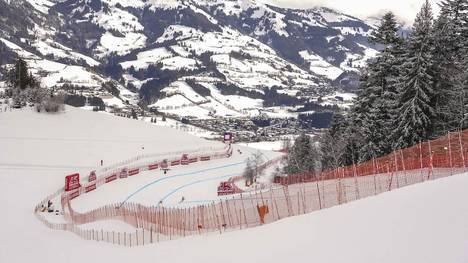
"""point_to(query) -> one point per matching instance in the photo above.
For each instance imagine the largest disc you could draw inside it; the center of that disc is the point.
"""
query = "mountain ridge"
(144, 47)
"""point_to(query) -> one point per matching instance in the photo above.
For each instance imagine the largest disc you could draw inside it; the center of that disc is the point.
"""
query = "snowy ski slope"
(420, 223)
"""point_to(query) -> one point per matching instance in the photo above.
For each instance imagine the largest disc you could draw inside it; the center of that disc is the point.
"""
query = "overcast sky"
(405, 9)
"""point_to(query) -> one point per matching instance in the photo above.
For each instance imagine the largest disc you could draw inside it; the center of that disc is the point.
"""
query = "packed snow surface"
(421, 223)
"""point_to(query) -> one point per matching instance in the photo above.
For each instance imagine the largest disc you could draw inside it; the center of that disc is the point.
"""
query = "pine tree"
(387, 32)
(450, 39)
(464, 63)
(302, 157)
(416, 94)
(249, 172)
(334, 142)
(19, 76)
(375, 109)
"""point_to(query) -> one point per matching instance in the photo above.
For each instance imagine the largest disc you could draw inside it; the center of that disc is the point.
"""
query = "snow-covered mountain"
(213, 56)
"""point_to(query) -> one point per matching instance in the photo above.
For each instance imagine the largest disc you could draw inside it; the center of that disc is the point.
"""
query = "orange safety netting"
(450, 151)
(298, 194)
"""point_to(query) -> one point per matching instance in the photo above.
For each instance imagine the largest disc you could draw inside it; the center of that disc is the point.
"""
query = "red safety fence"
(298, 195)
(124, 172)
(270, 163)
(450, 151)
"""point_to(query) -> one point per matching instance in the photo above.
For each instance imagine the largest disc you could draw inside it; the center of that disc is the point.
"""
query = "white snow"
(331, 16)
(319, 66)
(269, 146)
(41, 5)
(421, 223)
(18, 49)
(353, 61)
(72, 74)
(81, 138)
(146, 58)
(175, 63)
(122, 45)
(164, 4)
(48, 47)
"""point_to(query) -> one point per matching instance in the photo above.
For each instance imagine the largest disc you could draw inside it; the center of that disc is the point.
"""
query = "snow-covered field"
(420, 223)
(270, 146)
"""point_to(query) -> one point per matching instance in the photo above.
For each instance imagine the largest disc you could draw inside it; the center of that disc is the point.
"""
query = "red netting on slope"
(450, 151)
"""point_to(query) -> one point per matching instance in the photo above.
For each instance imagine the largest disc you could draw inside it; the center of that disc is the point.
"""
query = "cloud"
(405, 10)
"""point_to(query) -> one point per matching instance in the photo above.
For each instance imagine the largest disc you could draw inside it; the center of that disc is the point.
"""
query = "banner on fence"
(123, 173)
(90, 188)
(184, 160)
(74, 195)
(205, 158)
(92, 176)
(164, 164)
(111, 178)
(133, 172)
(72, 182)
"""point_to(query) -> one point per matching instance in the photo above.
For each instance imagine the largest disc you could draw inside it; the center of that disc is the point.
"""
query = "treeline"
(415, 89)
(24, 88)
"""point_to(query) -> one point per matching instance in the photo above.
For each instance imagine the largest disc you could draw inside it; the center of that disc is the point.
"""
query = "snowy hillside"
(81, 134)
(223, 48)
(420, 223)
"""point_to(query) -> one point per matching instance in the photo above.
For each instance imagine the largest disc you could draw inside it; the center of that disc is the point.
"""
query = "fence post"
(404, 167)
(375, 174)
(337, 186)
(421, 161)
(450, 154)
(323, 189)
(397, 175)
(228, 212)
(343, 184)
(358, 196)
(217, 218)
(304, 200)
(243, 209)
(158, 226)
(462, 150)
(235, 212)
(318, 193)
(391, 177)
(431, 162)
(199, 226)
(298, 203)
(286, 200)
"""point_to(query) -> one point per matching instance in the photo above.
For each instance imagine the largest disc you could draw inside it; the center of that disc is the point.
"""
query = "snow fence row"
(301, 194)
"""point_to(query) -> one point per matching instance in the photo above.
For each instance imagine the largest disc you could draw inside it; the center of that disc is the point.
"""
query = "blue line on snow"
(178, 175)
(196, 182)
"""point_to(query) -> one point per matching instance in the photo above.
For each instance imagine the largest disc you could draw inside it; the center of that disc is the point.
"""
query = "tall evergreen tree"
(302, 157)
(19, 77)
(415, 107)
(333, 143)
(450, 34)
(387, 32)
(375, 109)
